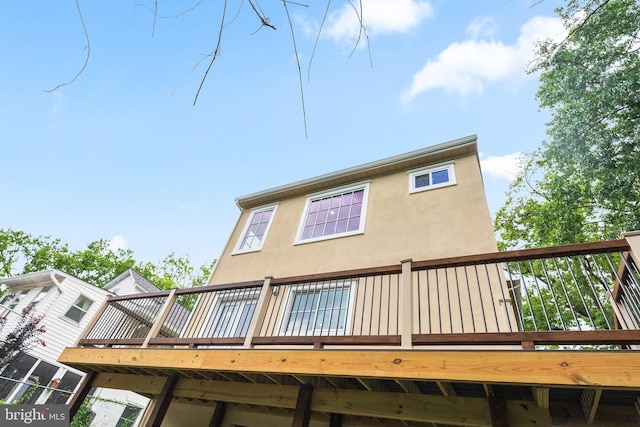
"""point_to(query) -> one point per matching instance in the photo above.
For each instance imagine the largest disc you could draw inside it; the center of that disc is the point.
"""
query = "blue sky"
(122, 153)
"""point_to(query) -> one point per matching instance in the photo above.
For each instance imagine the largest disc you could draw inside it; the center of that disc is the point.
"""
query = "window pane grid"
(254, 235)
(318, 310)
(335, 214)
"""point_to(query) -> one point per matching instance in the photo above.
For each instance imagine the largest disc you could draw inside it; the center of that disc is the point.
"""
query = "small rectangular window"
(79, 308)
(431, 177)
(256, 229)
(340, 212)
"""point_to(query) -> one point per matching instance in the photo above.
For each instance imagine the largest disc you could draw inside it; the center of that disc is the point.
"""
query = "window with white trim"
(41, 295)
(79, 308)
(256, 229)
(319, 309)
(340, 212)
(231, 314)
(10, 301)
(432, 177)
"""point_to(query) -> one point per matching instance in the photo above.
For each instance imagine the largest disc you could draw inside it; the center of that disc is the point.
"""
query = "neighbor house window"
(79, 308)
(43, 293)
(9, 302)
(318, 309)
(333, 214)
(255, 230)
(128, 416)
(437, 176)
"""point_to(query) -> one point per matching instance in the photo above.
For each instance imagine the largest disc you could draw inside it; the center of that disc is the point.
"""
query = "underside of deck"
(392, 387)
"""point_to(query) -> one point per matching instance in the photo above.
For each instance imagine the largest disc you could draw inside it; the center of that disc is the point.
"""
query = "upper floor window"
(43, 293)
(431, 177)
(255, 230)
(10, 301)
(79, 308)
(332, 214)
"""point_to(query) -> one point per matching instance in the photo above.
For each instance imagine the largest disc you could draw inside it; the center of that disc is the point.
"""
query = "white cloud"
(378, 16)
(484, 26)
(466, 67)
(117, 242)
(503, 167)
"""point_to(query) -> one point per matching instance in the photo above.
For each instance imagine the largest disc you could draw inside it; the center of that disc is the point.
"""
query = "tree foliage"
(583, 183)
(22, 253)
(25, 333)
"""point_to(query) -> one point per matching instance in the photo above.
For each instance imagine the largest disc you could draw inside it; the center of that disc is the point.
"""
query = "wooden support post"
(302, 413)
(406, 305)
(218, 414)
(259, 313)
(499, 412)
(528, 345)
(541, 396)
(81, 394)
(590, 399)
(335, 420)
(164, 312)
(162, 402)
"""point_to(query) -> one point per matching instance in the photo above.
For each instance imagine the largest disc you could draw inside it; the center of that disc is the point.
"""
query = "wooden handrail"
(526, 254)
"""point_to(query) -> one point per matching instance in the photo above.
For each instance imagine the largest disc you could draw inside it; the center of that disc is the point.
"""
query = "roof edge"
(246, 201)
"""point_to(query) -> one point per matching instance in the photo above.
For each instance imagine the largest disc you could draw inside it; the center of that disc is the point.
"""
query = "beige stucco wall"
(448, 221)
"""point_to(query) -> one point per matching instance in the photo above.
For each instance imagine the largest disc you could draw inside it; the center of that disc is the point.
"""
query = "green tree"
(583, 183)
(22, 253)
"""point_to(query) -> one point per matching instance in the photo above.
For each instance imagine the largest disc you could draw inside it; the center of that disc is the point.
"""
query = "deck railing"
(576, 295)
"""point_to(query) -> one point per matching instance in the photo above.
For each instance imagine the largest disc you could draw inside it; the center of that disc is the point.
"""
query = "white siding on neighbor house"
(126, 286)
(61, 331)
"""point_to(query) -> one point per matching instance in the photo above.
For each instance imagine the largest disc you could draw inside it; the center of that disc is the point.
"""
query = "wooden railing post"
(633, 238)
(259, 313)
(164, 312)
(406, 305)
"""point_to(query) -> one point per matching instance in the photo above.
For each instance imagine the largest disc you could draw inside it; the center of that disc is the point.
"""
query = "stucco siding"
(430, 224)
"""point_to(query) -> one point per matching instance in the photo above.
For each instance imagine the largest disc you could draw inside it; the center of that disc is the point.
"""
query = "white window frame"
(41, 295)
(413, 174)
(84, 312)
(302, 288)
(222, 298)
(321, 195)
(247, 224)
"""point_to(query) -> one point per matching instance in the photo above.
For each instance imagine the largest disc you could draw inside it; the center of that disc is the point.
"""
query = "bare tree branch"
(88, 49)
(214, 54)
(295, 49)
(315, 44)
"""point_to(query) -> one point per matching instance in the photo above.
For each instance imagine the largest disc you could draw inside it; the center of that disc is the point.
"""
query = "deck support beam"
(162, 402)
(539, 368)
(81, 394)
(302, 414)
(499, 412)
(590, 399)
(218, 414)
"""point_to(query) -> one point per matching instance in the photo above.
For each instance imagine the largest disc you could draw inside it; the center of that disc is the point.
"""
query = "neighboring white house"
(68, 304)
